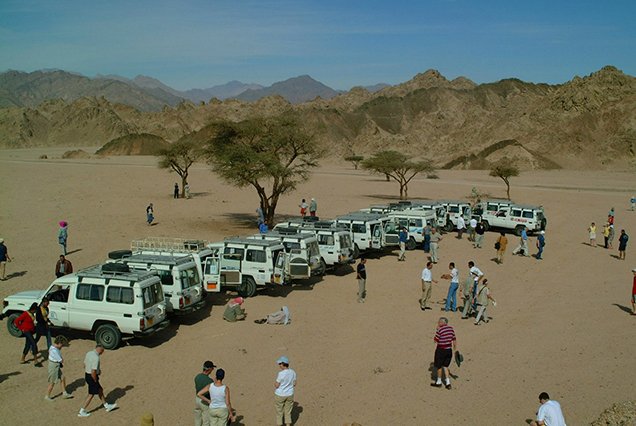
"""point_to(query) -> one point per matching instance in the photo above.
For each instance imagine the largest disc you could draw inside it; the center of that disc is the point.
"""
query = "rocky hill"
(588, 122)
(295, 90)
(134, 144)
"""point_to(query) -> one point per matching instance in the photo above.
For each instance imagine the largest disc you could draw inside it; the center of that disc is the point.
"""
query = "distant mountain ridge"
(295, 90)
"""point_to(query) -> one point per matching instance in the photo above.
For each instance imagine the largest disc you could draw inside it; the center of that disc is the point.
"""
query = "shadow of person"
(73, 251)
(16, 274)
(238, 421)
(75, 385)
(623, 308)
(432, 370)
(118, 393)
(5, 376)
(297, 409)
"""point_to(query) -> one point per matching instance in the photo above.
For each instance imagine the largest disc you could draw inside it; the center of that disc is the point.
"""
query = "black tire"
(13, 330)
(486, 225)
(356, 251)
(118, 254)
(323, 266)
(518, 231)
(108, 336)
(449, 226)
(247, 288)
(115, 267)
(411, 244)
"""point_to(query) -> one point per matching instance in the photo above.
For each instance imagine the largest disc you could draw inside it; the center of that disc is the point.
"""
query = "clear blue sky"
(201, 43)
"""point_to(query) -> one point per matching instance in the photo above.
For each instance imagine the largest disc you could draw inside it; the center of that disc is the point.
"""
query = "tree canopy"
(270, 154)
(178, 157)
(504, 170)
(398, 167)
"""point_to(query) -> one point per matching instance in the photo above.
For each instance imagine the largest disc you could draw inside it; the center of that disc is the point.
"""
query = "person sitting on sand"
(233, 311)
(282, 317)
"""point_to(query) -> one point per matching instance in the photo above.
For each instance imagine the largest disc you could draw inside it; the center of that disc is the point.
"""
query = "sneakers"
(67, 395)
(47, 398)
(83, 413)
(109, 407)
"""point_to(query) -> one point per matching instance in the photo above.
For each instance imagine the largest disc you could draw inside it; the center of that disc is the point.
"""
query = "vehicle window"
(453, 209)
(232, 252)
(255, 256)
(415, 223)
(58, 294)
(289, 246)
(189, 278)
(152, 295)
(166, 277)
(313, 249)
(492, 207)
(90, 292)
(345, 241)
(516, 213)
(325, 240)
(528, 214)
(358, 228)
(212, 266)
(120, 295)
(278, 259)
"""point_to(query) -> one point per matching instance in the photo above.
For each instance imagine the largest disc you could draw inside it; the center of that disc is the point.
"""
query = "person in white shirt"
(461, 226)
(472, 224)
(550, 413)
(427, 283)
(451, 297)
(477, 276)
(284, 394)
(55, 369)
(92, 370)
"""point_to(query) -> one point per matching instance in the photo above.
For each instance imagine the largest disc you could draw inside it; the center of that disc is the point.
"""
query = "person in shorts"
(92, 371)
(446, 343)
(55, 369)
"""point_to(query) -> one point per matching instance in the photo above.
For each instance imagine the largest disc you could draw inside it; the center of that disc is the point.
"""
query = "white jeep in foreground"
(105, 303)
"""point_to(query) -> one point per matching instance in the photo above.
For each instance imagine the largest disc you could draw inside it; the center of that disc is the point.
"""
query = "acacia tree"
(178, 157)
(398, 167)
(504, 170)
(355, 160)
(270, 154)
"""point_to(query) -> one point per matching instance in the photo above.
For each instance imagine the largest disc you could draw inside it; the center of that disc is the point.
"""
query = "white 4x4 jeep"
(106, 303)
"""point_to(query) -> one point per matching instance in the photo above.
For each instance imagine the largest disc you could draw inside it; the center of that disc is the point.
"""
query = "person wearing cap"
(4, 258)
(540, 244)
(550, 413)
(284, 391)
(313, 207)
(62, 235)
(201, 380)
(234, 311)
(219, 400)
(634, 293)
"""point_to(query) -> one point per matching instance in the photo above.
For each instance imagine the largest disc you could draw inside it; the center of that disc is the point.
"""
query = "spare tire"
(118, 254)
(115, 267)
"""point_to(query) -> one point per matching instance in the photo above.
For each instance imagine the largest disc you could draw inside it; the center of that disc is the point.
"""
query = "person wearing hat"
(284, 393)
(634, 293)
(62, 235)
(540, 244)
(4, 258)
(234, 311)
(201, 409)
(219, 400)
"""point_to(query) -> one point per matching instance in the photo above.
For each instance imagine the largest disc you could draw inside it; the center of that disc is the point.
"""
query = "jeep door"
(58, 295)
(212, 274)
(154, 305)
(377, 235)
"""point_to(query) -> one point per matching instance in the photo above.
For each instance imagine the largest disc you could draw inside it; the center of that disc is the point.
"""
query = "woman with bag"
(500, 246)
(26, 324)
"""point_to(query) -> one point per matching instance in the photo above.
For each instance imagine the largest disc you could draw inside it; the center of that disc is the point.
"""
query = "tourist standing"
(4, 258)
(92, 371)
(500, 246)
(201, 408)
(540, 244)
(476, 275)
(403, 235)
(150, 214)
(446, 343)
(260, 215)
(549, 413)
(480, 229)
(435, 238)
(606, 232)
(285, 386)
(592, 234)
(461, 226)
(472, 227)
(634, 293)
(427, 284)
(482, 297)
(42, 326)
(303, 208)
(361, 276)
(466, 293)
(62, 235)
(427, 238)
(610, 216)
(610, 238)
(313, 207)
(522, 248)
(26, 324)
(56, 363)
(63, 267)
(220, 405)
(186, 190)
(176, 190)
(622, 244)
(451, 297)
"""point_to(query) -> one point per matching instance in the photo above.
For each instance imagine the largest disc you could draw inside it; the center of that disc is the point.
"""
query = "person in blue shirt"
(540, 244)
(404, 236)
(522, 248)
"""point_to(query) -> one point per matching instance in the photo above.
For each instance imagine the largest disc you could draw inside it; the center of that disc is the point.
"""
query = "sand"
(561, 325)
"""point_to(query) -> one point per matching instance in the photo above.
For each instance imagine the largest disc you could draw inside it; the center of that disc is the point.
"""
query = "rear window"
(120, 295)
(92, 292)
(516, 213)
(166, 277)
(152, 295)
(289, 246)
(189, 278)
(528, 214)
(255, 256)
(345, 241)
(235, 253)
(325, 240)
(358, 228)
(453, 209)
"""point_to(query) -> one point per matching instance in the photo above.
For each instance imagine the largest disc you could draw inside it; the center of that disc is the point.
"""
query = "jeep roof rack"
(132, 275)
(167, 243)
(156, 258)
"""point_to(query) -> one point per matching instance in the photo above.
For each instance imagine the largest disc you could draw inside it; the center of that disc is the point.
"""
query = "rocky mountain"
(588, 122)
(224, 91)
(295, 90)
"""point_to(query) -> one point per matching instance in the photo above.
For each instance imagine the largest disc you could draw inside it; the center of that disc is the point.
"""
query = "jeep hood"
(30, 295)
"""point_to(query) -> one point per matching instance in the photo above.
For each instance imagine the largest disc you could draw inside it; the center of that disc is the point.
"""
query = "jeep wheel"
(13, 330)
(518, 231)
(108, 336)
(449, 226)
(486, 225)
(247, 288)
(411, 244)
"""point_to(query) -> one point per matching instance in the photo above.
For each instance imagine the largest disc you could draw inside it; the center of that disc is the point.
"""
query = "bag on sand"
(497, 245)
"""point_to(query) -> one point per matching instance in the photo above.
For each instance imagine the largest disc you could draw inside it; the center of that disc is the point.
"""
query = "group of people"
(234, 311)
(213, 405)
(186, 190)
(608, 235)
(312, 207)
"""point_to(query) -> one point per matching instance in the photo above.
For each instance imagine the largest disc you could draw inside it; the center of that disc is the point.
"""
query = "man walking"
(427, 281)
(480, 229)
(284, 394)
(523, 243)
(482, 298)
(150, 214)
(4, 258)
(435, 239)
(472, 228)
(622, 244)
(63, 267)
(404, 236)
(92, 372)
(446, 344)
(540, 244)
(201, 409)
(476, 275)
(362, 279)
(549, 413)
(461, 226)
(451, 297)
(500, 246)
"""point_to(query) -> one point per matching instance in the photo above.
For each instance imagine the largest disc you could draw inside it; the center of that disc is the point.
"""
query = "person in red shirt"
(26, 324)
(446, 343)
(634, 293)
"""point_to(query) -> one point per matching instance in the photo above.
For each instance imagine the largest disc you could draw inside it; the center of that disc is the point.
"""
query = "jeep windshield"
(152, 295)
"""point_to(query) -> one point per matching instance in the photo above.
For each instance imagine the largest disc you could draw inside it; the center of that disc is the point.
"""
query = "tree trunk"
(507, 188)
(404, 191)
(388, 178)
(184, 182)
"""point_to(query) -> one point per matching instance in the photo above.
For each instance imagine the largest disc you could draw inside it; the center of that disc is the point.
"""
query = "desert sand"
(561, 325)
